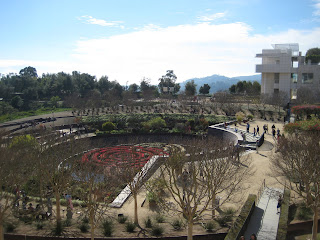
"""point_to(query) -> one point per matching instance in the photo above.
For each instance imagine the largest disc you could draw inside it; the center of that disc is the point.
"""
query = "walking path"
(265, 219)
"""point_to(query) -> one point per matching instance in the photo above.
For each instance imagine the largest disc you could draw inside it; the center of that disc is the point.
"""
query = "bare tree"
(194, 178)
(279, 100)
(297, 160)
(56, 162)
(95, 181)
(306, 95)
(132, 170)
(11, 177)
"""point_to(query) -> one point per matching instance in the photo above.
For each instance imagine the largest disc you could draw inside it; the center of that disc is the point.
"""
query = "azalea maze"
(136, 156)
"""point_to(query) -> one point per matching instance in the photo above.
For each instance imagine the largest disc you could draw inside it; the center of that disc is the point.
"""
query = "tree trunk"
(135, 209)
(190, 230)
(1, 231)
(58, 217)
(309, 197)
(213, 205)
(315, 224)
(92, 222)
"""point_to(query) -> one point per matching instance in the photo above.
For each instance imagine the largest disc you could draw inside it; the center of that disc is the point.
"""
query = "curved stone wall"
(226, 135)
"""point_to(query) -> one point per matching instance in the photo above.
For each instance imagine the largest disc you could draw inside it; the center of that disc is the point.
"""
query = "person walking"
(254, 131)
(253, 237)
(274, 133)
(258, 130)
(279, 203)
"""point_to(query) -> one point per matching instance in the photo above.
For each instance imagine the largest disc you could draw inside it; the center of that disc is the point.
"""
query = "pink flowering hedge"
(136, 156)
(304, 110)
(307, 125)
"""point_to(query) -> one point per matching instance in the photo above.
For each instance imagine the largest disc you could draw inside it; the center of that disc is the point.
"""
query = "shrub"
(250, 117)
(39, 225)
(157, 231)
(240, 116)
(84, 227)
(177, 224)
(222, 221)
(209, 226)
(57, 229)
(204, 123)
(160, 218)
(67, 223)
(228, 214)
(107, 226)
(155, 123)
(10, 227)
(148, 223)
(108, 126)
(63, 202)
(122, 219)
(304, 212)
(85, 220)
(130, 227)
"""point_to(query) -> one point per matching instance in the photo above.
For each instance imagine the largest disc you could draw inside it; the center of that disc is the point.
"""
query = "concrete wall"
(225, 135)
(216, 236)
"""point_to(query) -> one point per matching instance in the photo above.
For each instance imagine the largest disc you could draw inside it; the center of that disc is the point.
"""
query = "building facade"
(284, 70)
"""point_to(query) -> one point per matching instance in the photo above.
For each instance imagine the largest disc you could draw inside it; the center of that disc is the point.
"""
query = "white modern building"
(283, 69)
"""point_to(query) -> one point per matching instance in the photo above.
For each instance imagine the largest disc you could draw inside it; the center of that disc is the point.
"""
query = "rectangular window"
(295, 63)
(294, 77)
(276, 91)
(307, 78)
(276, 77)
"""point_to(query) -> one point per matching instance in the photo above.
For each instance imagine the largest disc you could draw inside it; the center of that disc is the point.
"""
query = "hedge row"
(283, 220)
(243, 219)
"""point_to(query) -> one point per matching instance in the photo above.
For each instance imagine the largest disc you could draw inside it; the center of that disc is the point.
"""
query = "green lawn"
(19, 115)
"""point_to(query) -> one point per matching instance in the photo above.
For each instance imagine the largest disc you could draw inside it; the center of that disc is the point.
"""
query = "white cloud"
(196, 50)
(101, 22)
(212, 17)
(316, 12)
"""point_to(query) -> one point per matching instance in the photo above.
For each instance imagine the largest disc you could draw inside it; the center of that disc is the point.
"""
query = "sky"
(129, 40)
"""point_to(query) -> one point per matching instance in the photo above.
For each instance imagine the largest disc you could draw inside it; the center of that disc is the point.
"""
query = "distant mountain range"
(219, 82)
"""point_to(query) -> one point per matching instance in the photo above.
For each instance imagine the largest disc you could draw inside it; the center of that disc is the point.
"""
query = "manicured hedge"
(283, 221)
(243, 219)
(307, 125)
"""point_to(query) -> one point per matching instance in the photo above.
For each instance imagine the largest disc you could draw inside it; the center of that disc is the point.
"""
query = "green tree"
(104, 84)
(155, 124)
(148, 91)
(232, 89)
(108, 126)
(168, 81)
(54, 101)
(28, 72)
(313, 54)
(204, 89)
(16, 102)
(191, 88)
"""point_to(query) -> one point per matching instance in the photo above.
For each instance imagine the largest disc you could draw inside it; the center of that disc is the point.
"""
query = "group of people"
(252, 237)
(256, 130)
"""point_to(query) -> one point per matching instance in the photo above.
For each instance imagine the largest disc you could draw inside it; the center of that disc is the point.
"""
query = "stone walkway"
(265, 219)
